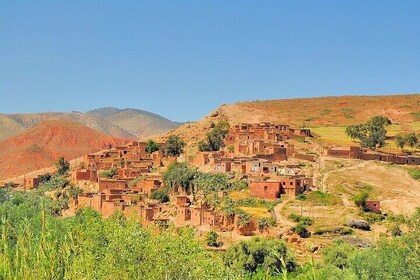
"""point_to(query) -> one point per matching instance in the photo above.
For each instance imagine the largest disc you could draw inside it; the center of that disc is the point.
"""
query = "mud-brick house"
(31, 182)
(274, 188)
(84, 175)
(223, 165)
(112, 184)
(148, 185)
(374, 206)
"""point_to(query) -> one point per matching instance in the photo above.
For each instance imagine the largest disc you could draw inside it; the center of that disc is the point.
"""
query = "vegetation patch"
(321, 198)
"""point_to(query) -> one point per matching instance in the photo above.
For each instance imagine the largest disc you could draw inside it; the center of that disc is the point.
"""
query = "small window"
(265, 188)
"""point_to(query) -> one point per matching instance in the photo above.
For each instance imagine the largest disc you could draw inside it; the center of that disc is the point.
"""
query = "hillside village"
(260, 157)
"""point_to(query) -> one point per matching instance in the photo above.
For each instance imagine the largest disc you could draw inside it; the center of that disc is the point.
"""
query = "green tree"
(411, 139)
(151, 146)
(215, 137)
(63, 166)
(372, 134)
(400, 141)
(174, 146)
(360, 199)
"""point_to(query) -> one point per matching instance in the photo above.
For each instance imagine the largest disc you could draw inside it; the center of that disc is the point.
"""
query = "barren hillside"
(310, 112)
(140, 123)
(43, 144)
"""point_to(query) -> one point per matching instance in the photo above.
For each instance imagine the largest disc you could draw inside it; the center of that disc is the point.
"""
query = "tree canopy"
(151, 146)
(174, 146)
(215, 137)
(371, 134)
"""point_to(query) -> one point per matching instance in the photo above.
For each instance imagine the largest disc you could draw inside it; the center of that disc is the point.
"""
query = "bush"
(151, 146)
(243, 218)
(161, 195)
(301, 230)
(360, 199)
(260, 253)
(396, 230)
(339, 230)
(174, 146)
(63, 166)
(211, 239)
(415, 173)
(372, 218)
(109, 173)
(307, 221)
(265, 223)
(322, 198)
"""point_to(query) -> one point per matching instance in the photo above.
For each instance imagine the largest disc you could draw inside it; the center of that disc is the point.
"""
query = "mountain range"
(120, 123)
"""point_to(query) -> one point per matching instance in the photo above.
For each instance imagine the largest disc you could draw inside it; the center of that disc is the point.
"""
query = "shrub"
(301, 230)
(396, 230)
(360, 199)
(322, 198)
(211, 239)
(243, 218)
(109, 173)
(174, 146)
(372, 218)
(260, 253)
(415, 173)
(151, 146)
(265, 223)
(161, 195)
(63, 166)
(307, 221)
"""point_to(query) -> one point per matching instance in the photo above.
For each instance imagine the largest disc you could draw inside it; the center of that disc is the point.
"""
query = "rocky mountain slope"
(42, 145)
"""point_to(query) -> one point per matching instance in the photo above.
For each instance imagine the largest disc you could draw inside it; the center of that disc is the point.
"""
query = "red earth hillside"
(42, 145)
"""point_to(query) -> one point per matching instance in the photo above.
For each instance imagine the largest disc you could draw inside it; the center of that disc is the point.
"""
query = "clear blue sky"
(182, 59)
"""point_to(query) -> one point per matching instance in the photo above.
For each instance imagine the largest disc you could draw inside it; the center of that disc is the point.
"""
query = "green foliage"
(151, 146)
(63, 166)
(414, 173)
(161, 195)
(256, 202)
(53, 183)
(322, 198)
(360, 199)
(210, 182)
(396, 230)
(301, 230)
(36, 245)
(372, 134)
(339, 230)
(372, 218)
(239, 185)
(243, 218)
(260, 253)
(215, 137)
(109, 173)
(211, 239)
(180, 175)
(265, 223)
(135, 181)
(174, 146)
(307, 221)
(338, 254)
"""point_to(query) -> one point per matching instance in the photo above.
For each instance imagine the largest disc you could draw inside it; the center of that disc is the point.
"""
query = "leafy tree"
(400, 141)
(151, 146)
(265, 223)
(174, 146)
(215, 137)
(211, 239)
(180, 176)
(411, 139)
(301, 230)
(63, 166)
(372, 134)
(260, 253)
